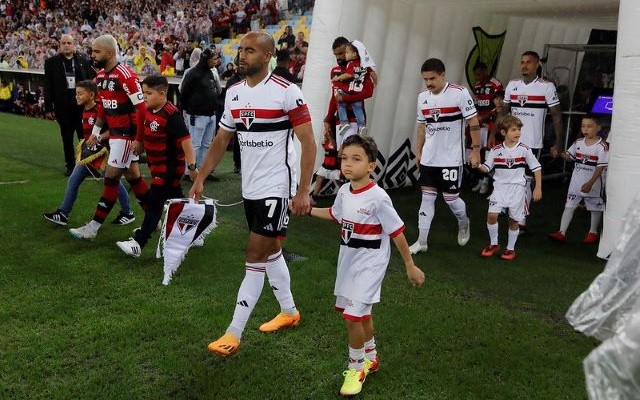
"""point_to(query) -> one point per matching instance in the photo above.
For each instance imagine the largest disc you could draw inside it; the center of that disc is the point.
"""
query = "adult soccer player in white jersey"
(528, 98)
(263, 109)
(443, 109)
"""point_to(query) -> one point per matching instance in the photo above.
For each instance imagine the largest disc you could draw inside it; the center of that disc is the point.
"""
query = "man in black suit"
(61, 72)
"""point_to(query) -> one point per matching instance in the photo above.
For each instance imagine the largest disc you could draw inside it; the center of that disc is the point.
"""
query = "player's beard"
(343, 62)
(98, 64)
(249, 70)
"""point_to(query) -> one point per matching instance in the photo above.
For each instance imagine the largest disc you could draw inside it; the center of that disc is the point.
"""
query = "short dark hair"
(499, 93)
(282, 55)
(156, 82)
(433, 65)
(531, 53)
(366, 143)
(592, 117)
(507, 122)
(88, 85)
(339, 41)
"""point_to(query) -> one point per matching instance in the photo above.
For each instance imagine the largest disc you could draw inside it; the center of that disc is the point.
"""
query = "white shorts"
(333, 174)
(121, 153)
(353, 310)
(592, 203)
(511, 197)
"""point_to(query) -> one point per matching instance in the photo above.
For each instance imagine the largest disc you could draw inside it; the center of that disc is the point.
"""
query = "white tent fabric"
(401, 34)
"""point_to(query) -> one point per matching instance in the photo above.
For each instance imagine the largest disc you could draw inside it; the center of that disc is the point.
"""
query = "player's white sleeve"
(293, 98)
(603, 155)
(572, 150)
(489, 160)
(226, 120)
(419, 115)
(467, 106)
(532, 161)
(551, 95)
(336, 208)
(388, 216)
(507, 92)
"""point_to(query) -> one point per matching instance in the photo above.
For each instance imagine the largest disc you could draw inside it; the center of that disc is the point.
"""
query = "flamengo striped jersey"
(164, 132)
(529, 102)
(263, 117)
(587, 158)
(509, 163)
(368, 219)
(120, 92)
(444, 114)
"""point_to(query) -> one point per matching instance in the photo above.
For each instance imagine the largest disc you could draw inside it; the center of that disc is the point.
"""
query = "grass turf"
(81, 320)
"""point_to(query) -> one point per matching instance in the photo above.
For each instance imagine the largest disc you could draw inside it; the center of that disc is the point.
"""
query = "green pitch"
(82, 320)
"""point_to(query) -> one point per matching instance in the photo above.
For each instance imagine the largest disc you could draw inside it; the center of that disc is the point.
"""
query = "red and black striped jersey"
(484, 93)
(120, 92)
(88, 120)
(164, 132)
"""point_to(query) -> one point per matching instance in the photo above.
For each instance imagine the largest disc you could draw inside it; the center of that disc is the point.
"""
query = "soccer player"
(528, 98)
(591, 155)
(368, 220)
(508, 161)
(484, 90)
(168, 145)
(86, 92)
(442, 111)
(263, 109)
(123, 110)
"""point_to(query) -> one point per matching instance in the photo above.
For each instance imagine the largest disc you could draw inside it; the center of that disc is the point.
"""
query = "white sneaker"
(362, 131)
(418, 248)
(84, 232)
(343, 129)
(199, 242)
(130, 247)
(464, 234)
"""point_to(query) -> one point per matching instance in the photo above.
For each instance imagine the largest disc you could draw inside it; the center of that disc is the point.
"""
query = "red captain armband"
(299, 115)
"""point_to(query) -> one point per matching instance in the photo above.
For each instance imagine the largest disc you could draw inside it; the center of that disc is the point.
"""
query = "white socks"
(493, 233)
(458, 208)
(280, 282)
(370, 349)
(567, 216)
(356, 358)
(248, 296)
(425, 214)
(513, 237)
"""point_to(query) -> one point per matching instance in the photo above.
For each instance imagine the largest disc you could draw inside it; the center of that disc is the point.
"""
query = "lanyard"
(73, 66)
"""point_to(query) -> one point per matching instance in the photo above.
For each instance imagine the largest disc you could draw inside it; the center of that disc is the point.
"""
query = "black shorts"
(445, 179)
(267, 217)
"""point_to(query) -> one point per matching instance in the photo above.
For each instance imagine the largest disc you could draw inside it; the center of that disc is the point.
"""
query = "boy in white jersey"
(529, 98)
(591, 155)
(508, 160)
(263, 110)
(368, 220)
(442, 111)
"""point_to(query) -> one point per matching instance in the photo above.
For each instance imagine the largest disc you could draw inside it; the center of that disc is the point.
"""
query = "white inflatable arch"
(401, 34)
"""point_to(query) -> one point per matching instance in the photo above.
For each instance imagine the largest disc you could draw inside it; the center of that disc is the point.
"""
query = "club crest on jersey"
(434, 113)
(154, 126)
(247, 117)
(585, 158)
(186, 223)
(510, 162)
(347, 231)
(522, 99)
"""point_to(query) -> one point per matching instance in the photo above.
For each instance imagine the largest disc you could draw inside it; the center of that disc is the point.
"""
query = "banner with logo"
(184, 222)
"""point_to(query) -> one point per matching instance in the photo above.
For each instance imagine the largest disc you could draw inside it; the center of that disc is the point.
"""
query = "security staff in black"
(61, 72)
(200, 90)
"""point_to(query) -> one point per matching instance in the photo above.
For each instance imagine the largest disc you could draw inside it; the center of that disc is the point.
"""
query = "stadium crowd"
(154, 37)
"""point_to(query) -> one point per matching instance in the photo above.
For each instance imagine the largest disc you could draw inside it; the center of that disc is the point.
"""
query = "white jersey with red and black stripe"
(263, 116)
(509, 163)
(587, 159)
(529, 102)
(444, 115)
(368, 220)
